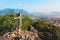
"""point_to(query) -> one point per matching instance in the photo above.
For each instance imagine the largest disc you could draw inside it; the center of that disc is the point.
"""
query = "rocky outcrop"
(22, 35)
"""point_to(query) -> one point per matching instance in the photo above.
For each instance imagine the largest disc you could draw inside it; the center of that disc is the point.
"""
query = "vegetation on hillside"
(8, 24)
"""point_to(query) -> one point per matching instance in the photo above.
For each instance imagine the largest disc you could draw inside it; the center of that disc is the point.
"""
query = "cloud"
(40, 8)
(46, 7)
(19, 5)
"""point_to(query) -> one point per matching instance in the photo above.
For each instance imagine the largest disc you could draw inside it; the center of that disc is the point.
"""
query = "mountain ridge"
(10, 10)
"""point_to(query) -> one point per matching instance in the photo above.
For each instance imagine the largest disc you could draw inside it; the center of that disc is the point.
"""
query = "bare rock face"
(21, 35)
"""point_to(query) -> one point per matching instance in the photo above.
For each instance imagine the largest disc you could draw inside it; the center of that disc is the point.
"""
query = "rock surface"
(22, 35)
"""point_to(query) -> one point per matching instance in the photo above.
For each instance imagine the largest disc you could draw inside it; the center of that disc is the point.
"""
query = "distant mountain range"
(34, 15)
(9, 10)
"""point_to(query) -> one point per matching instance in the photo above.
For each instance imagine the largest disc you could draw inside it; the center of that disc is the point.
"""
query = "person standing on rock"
(19, 23)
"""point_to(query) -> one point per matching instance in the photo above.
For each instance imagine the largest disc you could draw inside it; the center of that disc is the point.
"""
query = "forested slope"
(9, 24)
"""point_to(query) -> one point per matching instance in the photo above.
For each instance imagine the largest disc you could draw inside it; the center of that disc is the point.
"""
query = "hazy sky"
(32, 5)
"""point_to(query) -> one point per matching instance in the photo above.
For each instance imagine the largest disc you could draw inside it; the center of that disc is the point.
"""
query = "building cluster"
(54, 21)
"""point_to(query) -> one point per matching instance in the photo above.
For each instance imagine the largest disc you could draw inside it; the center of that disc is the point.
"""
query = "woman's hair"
(18, 14)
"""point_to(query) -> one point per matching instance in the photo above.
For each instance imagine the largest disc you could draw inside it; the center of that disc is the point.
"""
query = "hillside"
(30, 30)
